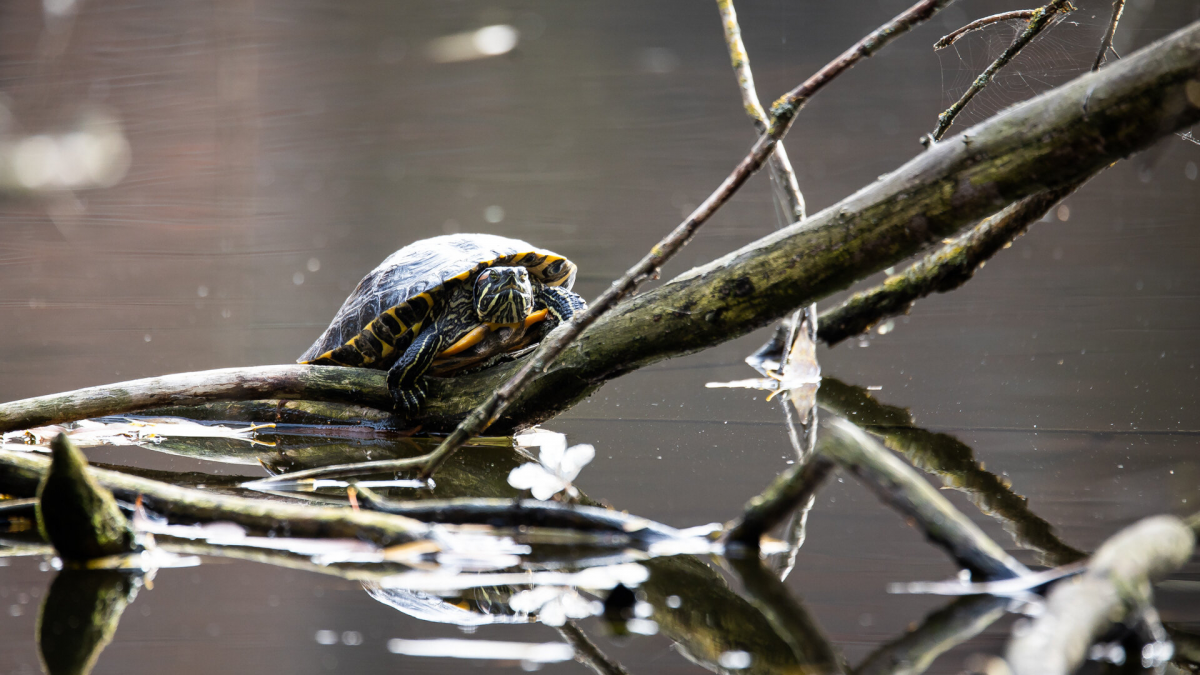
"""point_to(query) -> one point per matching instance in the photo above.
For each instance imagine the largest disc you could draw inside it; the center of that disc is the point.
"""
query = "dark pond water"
(278, 150)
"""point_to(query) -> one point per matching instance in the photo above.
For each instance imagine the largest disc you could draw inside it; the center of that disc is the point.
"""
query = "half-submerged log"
(1117, 582)
(74, 513)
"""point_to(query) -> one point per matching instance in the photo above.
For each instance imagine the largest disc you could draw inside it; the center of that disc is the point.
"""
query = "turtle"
(444, 305)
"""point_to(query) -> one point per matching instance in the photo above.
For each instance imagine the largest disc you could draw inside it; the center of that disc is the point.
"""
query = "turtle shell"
(392, 303)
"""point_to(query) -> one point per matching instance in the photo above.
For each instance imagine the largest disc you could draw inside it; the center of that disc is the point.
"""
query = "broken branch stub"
(74, 513)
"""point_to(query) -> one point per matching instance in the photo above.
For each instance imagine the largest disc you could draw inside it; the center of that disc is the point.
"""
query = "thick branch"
(783, 113)
(942, 271)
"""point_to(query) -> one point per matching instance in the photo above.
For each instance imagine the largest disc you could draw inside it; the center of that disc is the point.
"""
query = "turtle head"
(503, 295)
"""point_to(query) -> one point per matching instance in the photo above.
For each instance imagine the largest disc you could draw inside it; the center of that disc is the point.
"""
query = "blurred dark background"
(245, 162)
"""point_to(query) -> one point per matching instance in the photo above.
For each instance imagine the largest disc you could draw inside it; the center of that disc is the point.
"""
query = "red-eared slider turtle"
(447, 303)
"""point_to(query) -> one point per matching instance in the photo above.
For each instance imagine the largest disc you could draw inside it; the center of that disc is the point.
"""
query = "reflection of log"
(1117, 581)
(788, 617)
(75, 513)
(954, 463)
(903, 489)
(941, 631)
(79, 617)
(792, 489)
(1054, 140)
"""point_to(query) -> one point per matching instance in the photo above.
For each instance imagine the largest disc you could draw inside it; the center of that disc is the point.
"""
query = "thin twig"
(783, 113)
(1023, 14)
(1106, 43)
(944, 270)
(1040, 19)
(788, 188)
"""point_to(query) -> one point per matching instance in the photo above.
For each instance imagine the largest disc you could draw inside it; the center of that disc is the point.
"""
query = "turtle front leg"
(561, 303)
(406, 379)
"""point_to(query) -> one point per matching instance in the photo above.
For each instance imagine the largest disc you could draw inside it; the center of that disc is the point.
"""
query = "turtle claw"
(408, 401)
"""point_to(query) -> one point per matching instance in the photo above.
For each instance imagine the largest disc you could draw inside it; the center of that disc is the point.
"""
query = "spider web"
(1063, 51)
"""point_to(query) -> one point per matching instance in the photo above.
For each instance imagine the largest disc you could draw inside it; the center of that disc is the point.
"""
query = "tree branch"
(942, 271)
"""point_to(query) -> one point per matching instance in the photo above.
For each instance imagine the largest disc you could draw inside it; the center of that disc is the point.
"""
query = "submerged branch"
(1022, 14)
(259, 516)
(1106, 43)
(1117, 582)
(1037, 22)
(1057, 139)
(954, 463)
(903, 489)
(940, 632)
(787, 617)
(942, 271)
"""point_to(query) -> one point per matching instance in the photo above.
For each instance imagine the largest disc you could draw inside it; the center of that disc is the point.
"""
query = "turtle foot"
(408, 401)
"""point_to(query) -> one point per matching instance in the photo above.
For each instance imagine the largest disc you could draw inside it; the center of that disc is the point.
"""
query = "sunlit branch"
(1106, 43)
(1022, 14)
(1039, 21)
(783, 113)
